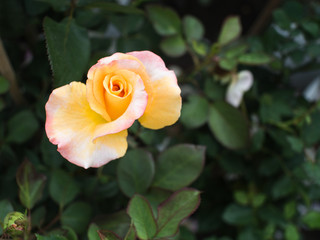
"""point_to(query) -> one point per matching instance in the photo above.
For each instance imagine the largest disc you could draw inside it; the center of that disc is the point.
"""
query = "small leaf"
(228, 125)
(135, 172)
(77, 216)
(93, 232)
(108, 235)
(118, 223)
(173, 46)
(131, 234)
(30, 184)
(68, 49)
(290, 210)
(231, 29)
(139, 210)
(193, 28)
(311, 27)
(63, 188)
(165, 20)
(254, 59)
(238, 215)
(291, 232)
(22, 126)
(195, 113)
(228, 63)
(282, 187)
(241, 197)
(51, 237)
(4, 85)
(312, 219)
(179, 166)
(177, 207)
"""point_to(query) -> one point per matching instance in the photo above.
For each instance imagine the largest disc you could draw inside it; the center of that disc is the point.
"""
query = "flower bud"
(15, 224)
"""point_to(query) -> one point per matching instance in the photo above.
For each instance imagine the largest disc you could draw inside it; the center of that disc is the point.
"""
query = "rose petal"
(164, 103)
(237, 88)
(137, 106)
(71, 124)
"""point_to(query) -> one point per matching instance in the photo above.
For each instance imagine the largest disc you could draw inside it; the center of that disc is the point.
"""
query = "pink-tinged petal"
(71, 124)
(164, 103)
(238, 87)
(137, 106)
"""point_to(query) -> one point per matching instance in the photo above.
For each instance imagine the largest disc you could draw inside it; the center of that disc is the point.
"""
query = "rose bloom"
(89, 121)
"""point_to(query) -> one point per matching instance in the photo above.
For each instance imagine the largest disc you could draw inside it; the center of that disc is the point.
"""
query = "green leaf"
(93, 232)
(236, 50)
(113, 7)
(195, 113)
(281, 18)
(77, 216)
(177, 207)
(51, 237)
(291, 232)
(108, 235)
(118, 222)
(231, 29)
(50, 156)
(250, 234)
(4, 85)
(228, 125)
(179, 166)
(228, 63)
(30, 184)
(241, 197)
(282, 187)
(139, 210)
(131, 234)
(165, 20)
(290, 210)
(173, 46)
(135, 172)
(5, 208)
(312, 219)
(22, 126)
(193, 28)
(238, 215)
(254, 59)
(313, 171)
(68, 48)
(63, 188)
(258, 200)
(310, 132)
(311, 27)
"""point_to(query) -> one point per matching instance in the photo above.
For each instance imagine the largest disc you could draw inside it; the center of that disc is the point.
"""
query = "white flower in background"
(240, 83)
(312, 91)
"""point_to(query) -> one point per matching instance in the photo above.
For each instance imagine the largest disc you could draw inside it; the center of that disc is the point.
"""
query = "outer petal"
(238, 87)
(164, 103)
(71, 124)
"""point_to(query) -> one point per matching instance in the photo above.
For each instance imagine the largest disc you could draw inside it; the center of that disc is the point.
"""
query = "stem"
(7, 71)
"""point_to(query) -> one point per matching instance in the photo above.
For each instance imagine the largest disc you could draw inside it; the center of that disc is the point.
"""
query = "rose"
(89, 122)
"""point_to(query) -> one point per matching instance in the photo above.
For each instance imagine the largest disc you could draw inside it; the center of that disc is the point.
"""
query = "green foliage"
(135, 172)
(228, 125)
(61, 192)
(68, 49)
(142, 217)
(231, 29)
(21, 127)
(30, 184)
(179, 166)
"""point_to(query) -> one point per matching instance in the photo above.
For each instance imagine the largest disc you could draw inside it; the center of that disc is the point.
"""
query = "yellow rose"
(89, 121)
